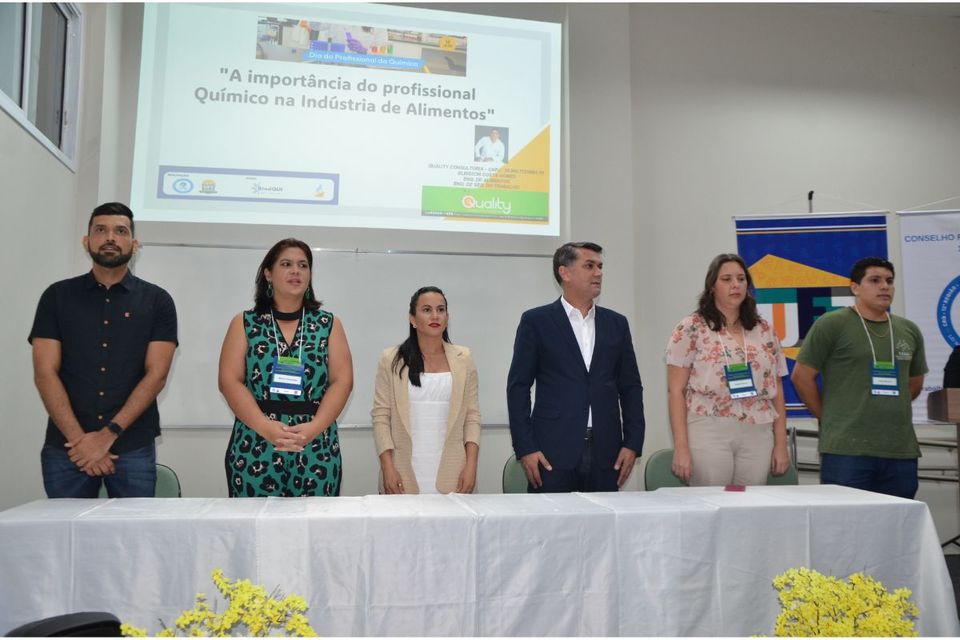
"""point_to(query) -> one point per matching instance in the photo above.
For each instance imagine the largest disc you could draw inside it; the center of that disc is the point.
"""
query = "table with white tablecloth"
(673, 562)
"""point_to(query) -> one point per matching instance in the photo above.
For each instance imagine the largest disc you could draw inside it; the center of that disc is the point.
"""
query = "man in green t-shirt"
(872, 365)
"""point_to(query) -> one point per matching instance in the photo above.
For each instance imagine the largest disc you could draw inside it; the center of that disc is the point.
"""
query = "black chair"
(951, 372)
(83, 624)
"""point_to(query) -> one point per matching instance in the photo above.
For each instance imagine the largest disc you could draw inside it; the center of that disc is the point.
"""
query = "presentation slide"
(364, 116)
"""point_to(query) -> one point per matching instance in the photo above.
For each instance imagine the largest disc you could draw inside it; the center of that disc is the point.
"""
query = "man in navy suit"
(581, 358)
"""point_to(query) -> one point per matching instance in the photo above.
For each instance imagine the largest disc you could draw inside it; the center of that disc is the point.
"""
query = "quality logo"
(491, 204)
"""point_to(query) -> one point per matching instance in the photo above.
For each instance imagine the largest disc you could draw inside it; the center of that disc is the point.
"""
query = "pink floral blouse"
(694, 346)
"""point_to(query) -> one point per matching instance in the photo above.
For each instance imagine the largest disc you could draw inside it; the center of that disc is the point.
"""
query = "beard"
(111, 261)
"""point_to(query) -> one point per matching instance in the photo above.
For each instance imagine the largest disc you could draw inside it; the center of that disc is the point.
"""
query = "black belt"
(588, 435)
(288, 407)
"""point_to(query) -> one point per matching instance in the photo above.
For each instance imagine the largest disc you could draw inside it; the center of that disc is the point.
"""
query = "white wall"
(679, 117)
(43, 218)
(740, 109)
(197, 454)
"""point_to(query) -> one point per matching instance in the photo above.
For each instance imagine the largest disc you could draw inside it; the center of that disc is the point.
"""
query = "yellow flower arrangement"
(251, 612)
(818, 605)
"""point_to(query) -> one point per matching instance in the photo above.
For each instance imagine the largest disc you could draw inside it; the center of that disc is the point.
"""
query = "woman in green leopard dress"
(286, 372)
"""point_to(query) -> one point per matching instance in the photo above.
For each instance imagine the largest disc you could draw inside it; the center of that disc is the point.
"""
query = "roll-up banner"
(930, 250)
(800, 265)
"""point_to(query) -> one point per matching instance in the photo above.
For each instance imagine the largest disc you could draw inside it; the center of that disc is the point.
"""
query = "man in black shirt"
(102, 347)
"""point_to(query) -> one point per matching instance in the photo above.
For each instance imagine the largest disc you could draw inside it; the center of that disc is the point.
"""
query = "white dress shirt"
(487, 149)
(585, 331)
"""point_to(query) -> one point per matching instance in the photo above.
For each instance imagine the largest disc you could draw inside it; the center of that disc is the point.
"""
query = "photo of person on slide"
(491, 145)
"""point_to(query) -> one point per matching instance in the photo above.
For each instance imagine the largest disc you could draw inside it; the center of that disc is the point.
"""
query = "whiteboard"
(370, 293)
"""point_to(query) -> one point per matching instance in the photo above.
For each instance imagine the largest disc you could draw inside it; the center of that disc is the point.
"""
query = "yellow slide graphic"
(528, 170)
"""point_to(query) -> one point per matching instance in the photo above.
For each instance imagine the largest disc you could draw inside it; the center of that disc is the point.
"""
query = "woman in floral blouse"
(724, 382)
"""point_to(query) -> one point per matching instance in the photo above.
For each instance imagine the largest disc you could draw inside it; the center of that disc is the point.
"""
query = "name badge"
(287, 377)
(740, 381)
(883, 379)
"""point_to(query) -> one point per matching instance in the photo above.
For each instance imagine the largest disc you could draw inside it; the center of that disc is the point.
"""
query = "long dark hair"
(262, 303)
(707, 306)
(408, 353)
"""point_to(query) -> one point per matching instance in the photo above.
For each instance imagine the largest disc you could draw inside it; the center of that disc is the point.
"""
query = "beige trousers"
(726, 451)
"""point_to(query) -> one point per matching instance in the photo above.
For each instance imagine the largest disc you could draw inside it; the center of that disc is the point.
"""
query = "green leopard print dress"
(254, 468)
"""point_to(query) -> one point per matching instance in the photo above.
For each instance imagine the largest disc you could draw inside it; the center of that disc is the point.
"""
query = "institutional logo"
(208, 186)
(904, 349)
(799, 265)
(791, 296)
(948, 308)
(259, 187)
(182, 185)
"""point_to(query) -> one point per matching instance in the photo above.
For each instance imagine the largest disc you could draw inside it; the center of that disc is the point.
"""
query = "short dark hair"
(860, 267)
(707, 306)
(567, 254)
(111, 209)
(261, 301)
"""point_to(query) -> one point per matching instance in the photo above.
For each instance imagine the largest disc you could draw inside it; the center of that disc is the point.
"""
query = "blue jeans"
(892, 476)
(135, 476)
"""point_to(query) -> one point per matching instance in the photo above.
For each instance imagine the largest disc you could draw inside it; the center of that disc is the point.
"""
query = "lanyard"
(739, 376)
(746, 357)
(276, 329)
(872, 349)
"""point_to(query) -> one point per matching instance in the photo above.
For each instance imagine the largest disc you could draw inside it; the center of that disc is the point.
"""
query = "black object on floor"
(83, 624)
(953, 566)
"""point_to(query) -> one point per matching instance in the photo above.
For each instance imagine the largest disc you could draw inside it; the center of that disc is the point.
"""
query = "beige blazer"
(391, 418)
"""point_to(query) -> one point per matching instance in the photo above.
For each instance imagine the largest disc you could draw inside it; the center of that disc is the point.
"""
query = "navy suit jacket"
(546, 352)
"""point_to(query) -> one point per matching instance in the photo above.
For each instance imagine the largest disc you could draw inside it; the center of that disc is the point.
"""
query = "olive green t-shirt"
(855, 422)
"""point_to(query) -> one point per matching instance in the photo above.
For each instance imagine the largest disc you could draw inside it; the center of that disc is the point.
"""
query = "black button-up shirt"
(104, 334)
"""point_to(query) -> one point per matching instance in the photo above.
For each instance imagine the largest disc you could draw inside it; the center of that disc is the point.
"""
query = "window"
(39, 71)
(11, 49)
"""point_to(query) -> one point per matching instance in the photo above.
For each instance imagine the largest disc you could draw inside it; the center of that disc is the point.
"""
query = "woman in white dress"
(426, 416)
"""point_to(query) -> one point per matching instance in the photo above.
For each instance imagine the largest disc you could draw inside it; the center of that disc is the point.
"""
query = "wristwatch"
(115, 429)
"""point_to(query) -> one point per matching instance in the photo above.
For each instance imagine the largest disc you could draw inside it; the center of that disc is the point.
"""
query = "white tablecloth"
(674, 562)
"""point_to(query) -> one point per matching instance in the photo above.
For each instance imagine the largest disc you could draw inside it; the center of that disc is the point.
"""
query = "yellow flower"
(299, 626)
(250, 612)
(818, 605)
(131, 631)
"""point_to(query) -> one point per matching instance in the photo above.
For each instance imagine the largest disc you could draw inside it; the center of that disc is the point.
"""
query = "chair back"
(658, 474)
(791, 476)
(168, 484)
(514, 479)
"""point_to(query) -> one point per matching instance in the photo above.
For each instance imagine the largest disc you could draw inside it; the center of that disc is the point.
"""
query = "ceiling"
(928, 9)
